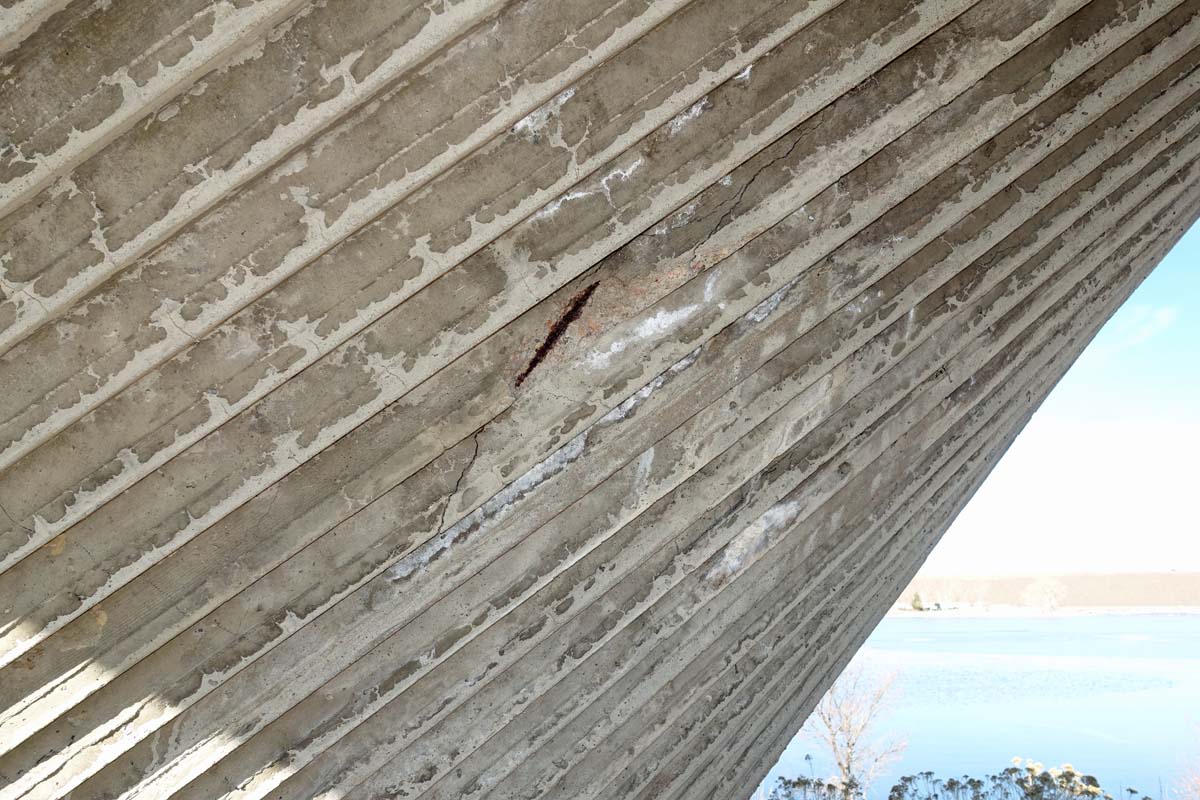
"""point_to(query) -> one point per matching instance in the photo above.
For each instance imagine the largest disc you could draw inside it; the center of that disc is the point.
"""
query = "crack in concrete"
(569, 314)
(13, 520)
(724, 218)
(270, 506)
(470, 463)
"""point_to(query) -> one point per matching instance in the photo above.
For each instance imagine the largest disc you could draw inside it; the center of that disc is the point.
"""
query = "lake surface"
(1115, 696)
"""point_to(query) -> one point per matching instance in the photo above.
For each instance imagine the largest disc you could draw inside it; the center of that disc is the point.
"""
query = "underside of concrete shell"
(525, 398)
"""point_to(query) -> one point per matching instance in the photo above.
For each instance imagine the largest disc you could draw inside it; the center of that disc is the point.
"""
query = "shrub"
(1024, 780)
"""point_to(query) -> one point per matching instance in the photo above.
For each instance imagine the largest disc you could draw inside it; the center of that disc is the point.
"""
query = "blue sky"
(1106, 476)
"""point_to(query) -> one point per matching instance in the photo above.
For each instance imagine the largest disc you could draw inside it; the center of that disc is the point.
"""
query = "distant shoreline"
(1063, 594)
(1022, 612)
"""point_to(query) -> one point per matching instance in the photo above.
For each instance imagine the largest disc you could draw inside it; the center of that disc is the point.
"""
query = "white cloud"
(1132, 326)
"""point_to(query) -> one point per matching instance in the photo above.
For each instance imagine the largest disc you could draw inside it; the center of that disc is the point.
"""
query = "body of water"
(1116, 696)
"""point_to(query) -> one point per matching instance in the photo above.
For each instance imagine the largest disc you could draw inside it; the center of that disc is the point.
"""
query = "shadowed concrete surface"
(525, 398)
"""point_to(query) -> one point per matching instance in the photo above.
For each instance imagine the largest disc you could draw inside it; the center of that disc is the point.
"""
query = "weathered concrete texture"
(539, 398)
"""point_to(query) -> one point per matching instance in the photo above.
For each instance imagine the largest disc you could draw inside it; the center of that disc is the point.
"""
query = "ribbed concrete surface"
(526, 398)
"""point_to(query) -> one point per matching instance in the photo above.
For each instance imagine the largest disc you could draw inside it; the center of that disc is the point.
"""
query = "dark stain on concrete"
(570, 314)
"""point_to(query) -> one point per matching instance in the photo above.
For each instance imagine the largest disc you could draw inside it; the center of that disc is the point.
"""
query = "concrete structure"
(524, 398)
